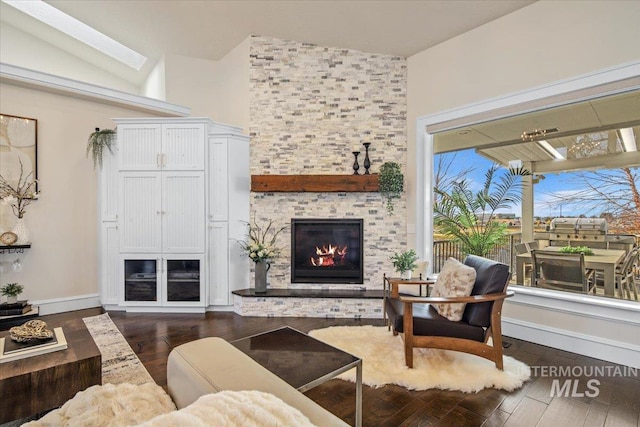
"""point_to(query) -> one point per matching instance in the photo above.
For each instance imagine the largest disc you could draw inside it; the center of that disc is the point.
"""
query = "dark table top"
(300, 360)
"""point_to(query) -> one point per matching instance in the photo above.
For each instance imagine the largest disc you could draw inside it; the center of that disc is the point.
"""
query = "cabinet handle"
(164, 160)
(158, 160)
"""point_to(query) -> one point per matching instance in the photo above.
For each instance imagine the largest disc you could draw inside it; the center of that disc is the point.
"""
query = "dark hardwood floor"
(617, 403)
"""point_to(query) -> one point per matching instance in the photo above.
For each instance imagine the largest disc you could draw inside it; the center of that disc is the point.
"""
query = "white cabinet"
(170, 146)
(162, 212)
(218, 263)
(167, 280)
(229, 184)
(174, 200)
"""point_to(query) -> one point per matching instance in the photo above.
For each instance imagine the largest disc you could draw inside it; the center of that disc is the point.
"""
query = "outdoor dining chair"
(561, 271)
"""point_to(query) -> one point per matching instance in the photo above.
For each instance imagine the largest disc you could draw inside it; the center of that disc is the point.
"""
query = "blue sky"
(543, 190)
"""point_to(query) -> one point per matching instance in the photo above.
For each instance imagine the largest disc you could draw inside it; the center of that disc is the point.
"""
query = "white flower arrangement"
(261, 242)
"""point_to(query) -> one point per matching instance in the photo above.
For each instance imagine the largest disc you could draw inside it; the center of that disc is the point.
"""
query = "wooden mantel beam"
(314, 183)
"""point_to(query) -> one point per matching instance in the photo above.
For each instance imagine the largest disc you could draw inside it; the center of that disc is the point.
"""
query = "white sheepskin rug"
(110, 405)
(382, 357)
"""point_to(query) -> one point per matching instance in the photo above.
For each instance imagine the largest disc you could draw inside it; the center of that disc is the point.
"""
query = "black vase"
(367, 163)
(356, 166)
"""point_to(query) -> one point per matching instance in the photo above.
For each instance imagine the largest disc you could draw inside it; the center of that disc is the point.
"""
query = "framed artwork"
(18, 144)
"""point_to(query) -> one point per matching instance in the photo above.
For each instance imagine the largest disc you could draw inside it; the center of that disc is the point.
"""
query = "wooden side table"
(36, 384)
(392, 284)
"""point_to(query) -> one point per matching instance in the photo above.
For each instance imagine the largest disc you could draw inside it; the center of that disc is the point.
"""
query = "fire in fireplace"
(326, 251)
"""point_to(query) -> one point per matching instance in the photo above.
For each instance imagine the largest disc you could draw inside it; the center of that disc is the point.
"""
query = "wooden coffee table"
(36, 384)
(302, 361)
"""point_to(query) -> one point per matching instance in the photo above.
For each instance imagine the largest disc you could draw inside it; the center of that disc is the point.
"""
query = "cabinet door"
(109, 262)
(183, 146)
(141, 278)
(139, 147)
(184, 280)
(218, 179)
(218, 264)
(108, 185)
(183, 212)
(140, 212)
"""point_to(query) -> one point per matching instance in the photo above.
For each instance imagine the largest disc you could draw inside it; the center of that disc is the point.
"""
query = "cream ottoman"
(210, 365)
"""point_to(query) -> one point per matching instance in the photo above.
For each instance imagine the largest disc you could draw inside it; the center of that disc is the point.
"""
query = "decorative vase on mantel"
(262, 267)
(20, 230)
(406, 275)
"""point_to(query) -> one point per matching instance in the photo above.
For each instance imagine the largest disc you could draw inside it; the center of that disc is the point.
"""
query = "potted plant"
(97, 142)
(405, 263)
(391, 182)
(470, 217)
(11, 290)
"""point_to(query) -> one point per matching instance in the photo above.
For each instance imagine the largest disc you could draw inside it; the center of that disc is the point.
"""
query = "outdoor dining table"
(604, 260)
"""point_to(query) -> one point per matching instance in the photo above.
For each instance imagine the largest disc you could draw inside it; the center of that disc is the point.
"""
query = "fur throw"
(109, 405)
(148, 405)
(234, 409)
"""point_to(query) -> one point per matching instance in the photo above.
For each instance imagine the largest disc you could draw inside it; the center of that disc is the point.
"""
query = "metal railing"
(503, 252)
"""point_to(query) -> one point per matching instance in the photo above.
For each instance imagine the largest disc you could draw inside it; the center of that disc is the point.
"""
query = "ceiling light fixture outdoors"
(536, 133)
(80, 31)
(588, 145)
(628, 140)
(552, 151)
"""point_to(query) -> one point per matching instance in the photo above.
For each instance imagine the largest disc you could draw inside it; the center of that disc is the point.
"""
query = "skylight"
(80, 31)
(552, 151)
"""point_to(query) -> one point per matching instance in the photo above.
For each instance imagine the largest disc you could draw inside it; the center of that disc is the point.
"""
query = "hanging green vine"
(97, 142)
(391, 182)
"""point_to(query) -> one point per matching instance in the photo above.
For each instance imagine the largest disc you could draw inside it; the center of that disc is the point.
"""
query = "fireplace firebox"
(326, 251)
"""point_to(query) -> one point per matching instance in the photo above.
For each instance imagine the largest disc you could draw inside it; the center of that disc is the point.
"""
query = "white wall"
(155, 86)
(231, 87)
(189, 81)
(536, 45)
(62, 262)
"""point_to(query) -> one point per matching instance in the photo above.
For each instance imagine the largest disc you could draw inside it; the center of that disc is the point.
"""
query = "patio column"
(527, 205)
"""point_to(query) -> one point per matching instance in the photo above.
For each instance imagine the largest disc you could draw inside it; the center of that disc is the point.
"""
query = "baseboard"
(135, 309)
(225, 308)
(597, 347)
(61, 305)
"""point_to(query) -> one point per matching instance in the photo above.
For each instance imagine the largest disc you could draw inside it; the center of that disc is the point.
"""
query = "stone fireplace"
(310, 107)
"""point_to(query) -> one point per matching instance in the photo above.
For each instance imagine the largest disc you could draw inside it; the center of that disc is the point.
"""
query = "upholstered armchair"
(422, 325)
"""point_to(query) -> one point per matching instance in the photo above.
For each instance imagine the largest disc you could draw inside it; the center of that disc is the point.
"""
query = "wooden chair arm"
(454, 300)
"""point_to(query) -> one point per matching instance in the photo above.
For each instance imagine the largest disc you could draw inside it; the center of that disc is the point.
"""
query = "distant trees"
(614, 191)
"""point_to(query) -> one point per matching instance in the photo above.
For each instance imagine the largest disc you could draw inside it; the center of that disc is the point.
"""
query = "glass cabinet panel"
(140, 280)
(183, 280)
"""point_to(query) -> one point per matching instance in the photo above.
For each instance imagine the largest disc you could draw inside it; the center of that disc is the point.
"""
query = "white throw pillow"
(454, 280)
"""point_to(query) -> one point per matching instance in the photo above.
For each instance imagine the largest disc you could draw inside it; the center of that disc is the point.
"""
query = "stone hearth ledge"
(322, 303)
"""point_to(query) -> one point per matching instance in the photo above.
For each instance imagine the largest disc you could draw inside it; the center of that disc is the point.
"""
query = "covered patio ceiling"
(584, 135)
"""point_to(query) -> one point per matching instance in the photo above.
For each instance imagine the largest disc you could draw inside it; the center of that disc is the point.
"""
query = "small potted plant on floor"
(405, 263)
(11, 291)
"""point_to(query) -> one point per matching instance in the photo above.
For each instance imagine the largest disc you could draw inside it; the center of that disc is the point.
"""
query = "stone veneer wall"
(310, 107)
(330, 308)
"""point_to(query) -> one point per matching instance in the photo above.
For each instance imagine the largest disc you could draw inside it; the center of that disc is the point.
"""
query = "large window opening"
(582, 194)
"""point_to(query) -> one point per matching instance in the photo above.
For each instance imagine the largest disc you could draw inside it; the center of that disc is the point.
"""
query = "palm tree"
(470, 217)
